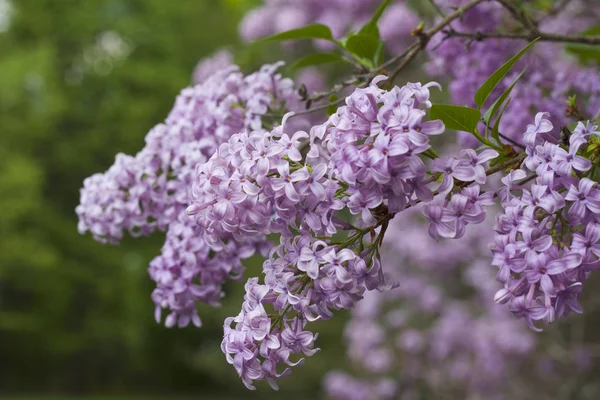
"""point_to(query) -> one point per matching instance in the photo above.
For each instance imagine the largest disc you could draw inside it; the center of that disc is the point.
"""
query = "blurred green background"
(81, 80)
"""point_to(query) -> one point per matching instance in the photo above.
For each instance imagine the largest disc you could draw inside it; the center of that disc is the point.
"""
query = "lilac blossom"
(149, 191)
(421, 335)
(309, 275)
(546, 237)
(545, 86)
(465, 204)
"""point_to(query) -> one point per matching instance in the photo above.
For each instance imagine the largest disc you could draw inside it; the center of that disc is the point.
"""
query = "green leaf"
(494, 107)
(313, 31)
(316, 59)
(490, 84)
(496, 129)
(593, 145)
(431, 153)
(489, 114)
(456, 117)
(586, 53)
(370, 28)
(378, 58)
(364, 47)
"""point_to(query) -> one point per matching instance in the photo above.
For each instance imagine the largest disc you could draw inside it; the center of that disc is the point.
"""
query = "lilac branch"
(543, 36)
(406, 57)
(519, 15)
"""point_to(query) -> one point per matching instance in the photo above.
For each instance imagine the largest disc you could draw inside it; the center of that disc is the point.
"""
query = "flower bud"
(502, 296)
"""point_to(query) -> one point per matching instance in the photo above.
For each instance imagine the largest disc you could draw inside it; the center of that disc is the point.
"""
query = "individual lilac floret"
(540, 126)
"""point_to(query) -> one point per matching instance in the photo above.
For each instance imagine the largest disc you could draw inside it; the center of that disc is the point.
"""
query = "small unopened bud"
(171, 320)
(303, 92)
(550, 315)
(418, 30)
(502, 296)
(565, 135)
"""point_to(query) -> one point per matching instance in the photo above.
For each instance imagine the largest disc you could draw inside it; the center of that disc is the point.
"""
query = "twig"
(406, 57)
(308, 111)
(543, 36)
(410, 56)
(398, 57)
(511, 141)
(555, 9)
(496, 168)
(519, 15)
(451, 17)
(424, 37)
(316, 96)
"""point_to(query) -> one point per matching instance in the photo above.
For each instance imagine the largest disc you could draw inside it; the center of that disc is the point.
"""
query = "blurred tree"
(79, 82)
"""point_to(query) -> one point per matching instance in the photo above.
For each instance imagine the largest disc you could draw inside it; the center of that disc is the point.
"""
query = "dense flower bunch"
(150, 191)
(218, 179)
(547, 235)
(143, 193)
(340, 16)
(365, 159)
(545, 86)
(439, 332)
(464, 202)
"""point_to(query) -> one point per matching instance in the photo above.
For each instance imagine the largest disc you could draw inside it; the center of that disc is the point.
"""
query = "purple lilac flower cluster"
(546, 241)
(187, 271)
(375, 145)
(364, 158)
(545, 86)
(427, 336)
(466, 203)
(150, 190)
(340, 16)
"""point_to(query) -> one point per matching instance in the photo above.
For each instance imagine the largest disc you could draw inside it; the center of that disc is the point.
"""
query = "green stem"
(431, 153)
(279, 318)
(487, 142)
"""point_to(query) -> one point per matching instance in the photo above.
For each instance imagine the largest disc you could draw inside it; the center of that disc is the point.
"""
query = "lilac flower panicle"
(365, 158)
(151, 190)
(421, 334)
(462, 205)
(546, 236)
